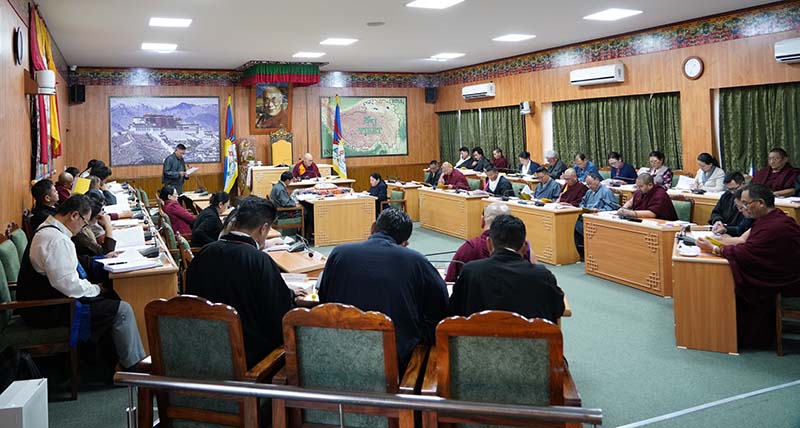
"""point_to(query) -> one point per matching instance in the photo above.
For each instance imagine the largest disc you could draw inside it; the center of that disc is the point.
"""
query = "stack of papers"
(127, 222)
(127, 261)
(685, 182)
(130, 238)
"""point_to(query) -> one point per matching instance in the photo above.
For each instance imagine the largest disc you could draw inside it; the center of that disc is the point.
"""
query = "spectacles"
(85, 223)
(746, 204)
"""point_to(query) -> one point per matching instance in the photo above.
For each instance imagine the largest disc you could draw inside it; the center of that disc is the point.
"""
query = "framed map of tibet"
(371, 126)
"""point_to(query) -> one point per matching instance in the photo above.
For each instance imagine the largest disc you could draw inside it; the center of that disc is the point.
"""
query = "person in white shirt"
(50, 270)
(710, 177)
(464, 157)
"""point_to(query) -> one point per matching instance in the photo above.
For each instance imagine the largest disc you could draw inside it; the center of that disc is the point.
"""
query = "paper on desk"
(685, 182)
(129, 237)
(191, 170)
(132, 265)
(126, 222)
(124, 256)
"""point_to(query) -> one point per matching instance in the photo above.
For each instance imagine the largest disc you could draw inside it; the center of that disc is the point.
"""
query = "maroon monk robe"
(500, 163)
(762, 266)
(573, 193)
(777, 181)
(457, 180)
(656, 200)
(304, 172)
(474, 249)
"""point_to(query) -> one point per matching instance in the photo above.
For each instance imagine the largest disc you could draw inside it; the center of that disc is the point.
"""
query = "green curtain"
(470, 128)
(449, 136)
(503, 128)
(633, 126)
(755, 119)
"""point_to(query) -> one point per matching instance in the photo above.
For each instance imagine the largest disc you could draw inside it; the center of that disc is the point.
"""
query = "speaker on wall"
(77, 94)
(430, 95)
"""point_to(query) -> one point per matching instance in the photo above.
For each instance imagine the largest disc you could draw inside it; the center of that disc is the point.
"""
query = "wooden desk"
(303, 184)
(196, 197)
(454, 214)
(299, 262)
(550, 229)
(325, 169)
(705, 303)
(263, 177)
(705, 203)
(412, 197)
(342, 219)
(638, 255)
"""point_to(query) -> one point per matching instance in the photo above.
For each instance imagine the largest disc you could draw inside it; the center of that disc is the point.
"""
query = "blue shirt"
(602, 200)
(590, 167)
(551, 190)
(626, 173)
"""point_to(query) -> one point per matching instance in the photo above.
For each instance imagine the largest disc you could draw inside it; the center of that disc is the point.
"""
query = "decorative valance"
(296, 74)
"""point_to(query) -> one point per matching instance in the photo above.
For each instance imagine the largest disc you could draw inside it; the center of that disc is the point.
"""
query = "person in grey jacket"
(174, 172)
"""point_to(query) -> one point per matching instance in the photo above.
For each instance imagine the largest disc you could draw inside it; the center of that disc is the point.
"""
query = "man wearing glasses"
(763, 265)
(50, 270)
(726, 212)
(274, 113)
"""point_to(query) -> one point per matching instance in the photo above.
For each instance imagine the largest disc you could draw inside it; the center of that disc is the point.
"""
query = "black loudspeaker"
(77, 94)
(430, 95)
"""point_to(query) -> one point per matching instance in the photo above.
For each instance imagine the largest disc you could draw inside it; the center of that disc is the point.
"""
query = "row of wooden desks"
(262, 178)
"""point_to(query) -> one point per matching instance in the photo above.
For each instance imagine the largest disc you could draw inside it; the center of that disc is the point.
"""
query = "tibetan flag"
(338, 144)
(231, 167)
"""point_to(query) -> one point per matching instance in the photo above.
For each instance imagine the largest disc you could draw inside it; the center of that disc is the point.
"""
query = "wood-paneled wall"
(741, 62)
(14, 119)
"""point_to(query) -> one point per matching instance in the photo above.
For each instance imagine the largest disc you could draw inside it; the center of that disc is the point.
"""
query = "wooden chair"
(498, 357)
(293, 223)
(26, 223)
(10, 260)
(193, 338)
(684, 207)
(187, 255)
(38, 341)
(397, 199)
(334, 346)
(474, 183)
(18, 237)
(785, 308)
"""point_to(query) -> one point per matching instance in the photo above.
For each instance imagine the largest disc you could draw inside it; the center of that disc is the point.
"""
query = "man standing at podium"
(174, 171)
(306, 168)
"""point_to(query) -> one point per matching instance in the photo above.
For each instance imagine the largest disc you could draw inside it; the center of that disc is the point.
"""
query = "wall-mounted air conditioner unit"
(484, 90)
(598, 75)
(787, 51)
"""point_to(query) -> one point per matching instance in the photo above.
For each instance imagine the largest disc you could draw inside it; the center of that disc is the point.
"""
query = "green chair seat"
(683, 209)
(9, 257)
(20, 241)
(605, 174)
(19, 335)
(396, 195)
(517, 188)
(790, 303)
(474, 183)
(675, 179)
(289, 221)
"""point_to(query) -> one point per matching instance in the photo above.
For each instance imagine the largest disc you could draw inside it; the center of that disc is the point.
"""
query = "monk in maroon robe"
(573, 191)
(453, 178)
(650, 201)
(498, 160)
(763, 265)
(779, 176)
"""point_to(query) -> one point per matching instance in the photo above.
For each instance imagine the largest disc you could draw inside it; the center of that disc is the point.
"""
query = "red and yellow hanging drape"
(41, 50)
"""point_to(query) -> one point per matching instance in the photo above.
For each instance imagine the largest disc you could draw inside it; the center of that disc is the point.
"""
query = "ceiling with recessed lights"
(226, 34)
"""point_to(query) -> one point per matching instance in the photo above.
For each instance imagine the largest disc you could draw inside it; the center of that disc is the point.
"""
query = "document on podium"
(191, 170)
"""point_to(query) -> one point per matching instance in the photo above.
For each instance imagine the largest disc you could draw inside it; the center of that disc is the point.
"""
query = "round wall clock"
(19, 46)
(693, 67)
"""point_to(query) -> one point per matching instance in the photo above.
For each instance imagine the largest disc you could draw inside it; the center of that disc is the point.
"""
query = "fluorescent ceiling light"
(308, 54)
(612, 14)
(160, 47)
(513, 37)
(433, 4)
(170, 22)
(335, 41)
(444, 56)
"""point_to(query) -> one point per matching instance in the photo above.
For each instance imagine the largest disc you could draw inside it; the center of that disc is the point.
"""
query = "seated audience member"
(90, 245)
(306, 168)
(573, 190)
(64, 186)
(452, 178)
(50, 270)
(377, 188)
(207, 226)
(45, 196)
(662, 176)
(477, 248)
(710, 177)
(279, 195)
(180, 219)
(479, 162)
(496, 184)
(96, 188)
(381, 274)
(555, 166)
(597, 198)
(649, 201)
(621, 172)
(103, 172)
(499, 161)
(434, 172)
(74, 172)
(526, 165)
(516, 284)
(735, 233)
(779, 175)
(234, 271)
(94, 163)
(725, 211)
(762, 266)
(463, 158)
(583, 166)
(548, 188)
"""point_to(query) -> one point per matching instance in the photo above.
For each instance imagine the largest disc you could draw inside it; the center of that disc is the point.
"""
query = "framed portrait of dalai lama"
(270, 107)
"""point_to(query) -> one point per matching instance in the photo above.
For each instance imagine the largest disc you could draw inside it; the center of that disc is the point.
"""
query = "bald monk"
(763, 265)
(452, 178)
(306, 168)
(573, 190)
(779, 175)
(649, 201)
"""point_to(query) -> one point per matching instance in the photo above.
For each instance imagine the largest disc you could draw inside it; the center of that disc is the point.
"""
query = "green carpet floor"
(620, 344)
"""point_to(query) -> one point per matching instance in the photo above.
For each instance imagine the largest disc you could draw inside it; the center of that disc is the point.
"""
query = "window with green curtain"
(449, 136)
(755, 119)
(503, 128)
(470, 128)
(633, 126)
